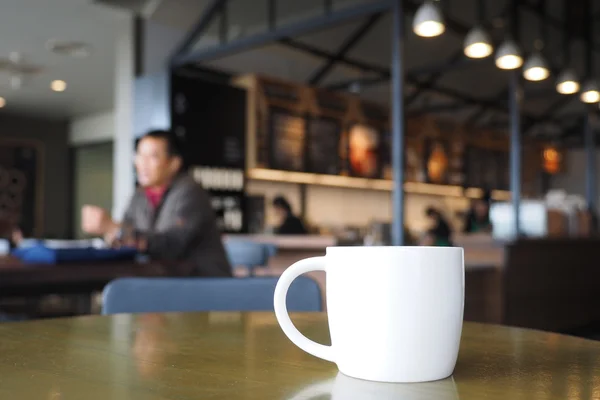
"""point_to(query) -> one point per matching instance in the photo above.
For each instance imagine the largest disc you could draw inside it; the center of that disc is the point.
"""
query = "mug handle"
(281, 312)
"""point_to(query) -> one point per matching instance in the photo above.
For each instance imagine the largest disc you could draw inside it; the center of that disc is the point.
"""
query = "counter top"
(290, 242)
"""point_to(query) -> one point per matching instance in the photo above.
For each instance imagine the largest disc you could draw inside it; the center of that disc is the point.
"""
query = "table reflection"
(346, 388)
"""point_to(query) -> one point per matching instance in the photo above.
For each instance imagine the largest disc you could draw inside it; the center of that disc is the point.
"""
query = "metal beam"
(590, 166)
(455, 58)
(348, 44)
(410, 77)
(515, 149)
(398, 123)
(549, 113)
(351, 62)
(293, 29)
(450, 106)
(199, 27)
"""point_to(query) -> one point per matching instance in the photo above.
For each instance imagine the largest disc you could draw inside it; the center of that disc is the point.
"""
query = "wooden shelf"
(270, 175)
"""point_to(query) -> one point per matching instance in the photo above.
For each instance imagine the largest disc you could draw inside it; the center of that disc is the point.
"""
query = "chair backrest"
(246, 253)
(139, 295)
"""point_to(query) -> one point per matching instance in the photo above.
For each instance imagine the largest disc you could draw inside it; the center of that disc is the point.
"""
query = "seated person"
(289, 224)
(478, 218)
(169, 217)
(440, 233)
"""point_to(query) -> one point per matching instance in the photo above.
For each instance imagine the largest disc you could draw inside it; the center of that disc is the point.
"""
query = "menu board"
(413, 160)
(456, 163)
(486, 168)
(323, 146)
(437, 161)
(503, 170)
(364, 151)
(288, 133)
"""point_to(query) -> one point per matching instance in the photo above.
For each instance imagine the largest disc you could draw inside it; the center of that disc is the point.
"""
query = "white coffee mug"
(395, 313)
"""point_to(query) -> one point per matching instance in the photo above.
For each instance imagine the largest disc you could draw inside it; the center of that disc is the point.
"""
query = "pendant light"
(428, 21)
(567, 82)
(477, 42)
(590, 92)
(508, 54)
(535, 68)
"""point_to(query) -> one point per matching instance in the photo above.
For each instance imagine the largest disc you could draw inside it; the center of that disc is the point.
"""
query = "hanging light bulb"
(428, 21)
(508, 55)
(477, 43)
(535, 68)
(567, 82)
(590, 92)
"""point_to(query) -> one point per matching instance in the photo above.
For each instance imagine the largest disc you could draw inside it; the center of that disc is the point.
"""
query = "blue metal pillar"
(515, 149)
(398, 123)
(590, 167)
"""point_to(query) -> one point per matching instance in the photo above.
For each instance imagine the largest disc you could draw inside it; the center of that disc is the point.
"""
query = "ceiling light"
(508, 56)
(590, 92)
(2, 102)
(535, 68)
(58, 85)
(69, 48)
(428, 21)
(567, 82)
(477, 43)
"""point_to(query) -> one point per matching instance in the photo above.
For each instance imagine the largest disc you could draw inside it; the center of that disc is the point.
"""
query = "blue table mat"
(40, 254)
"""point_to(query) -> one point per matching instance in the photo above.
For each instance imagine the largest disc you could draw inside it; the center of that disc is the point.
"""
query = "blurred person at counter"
(477, 219)
(169, 217)
(440, 233)
(289, 224)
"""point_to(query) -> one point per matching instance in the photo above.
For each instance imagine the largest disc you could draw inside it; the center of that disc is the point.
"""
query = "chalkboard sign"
(437, 161)
(364, 151)
(503, 170)
(288, 135)
(413, 158)
(323, 146)
(20, 185)
(485, 168)
(456, 163)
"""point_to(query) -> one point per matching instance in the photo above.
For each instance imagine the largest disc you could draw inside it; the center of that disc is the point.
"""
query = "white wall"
(152, 103)
(91, 129)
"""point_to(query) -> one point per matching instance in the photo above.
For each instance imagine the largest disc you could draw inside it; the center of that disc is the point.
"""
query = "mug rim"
(397, 247)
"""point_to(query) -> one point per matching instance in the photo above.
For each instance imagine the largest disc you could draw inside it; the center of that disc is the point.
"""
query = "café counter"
(480, 252)
(547, 284)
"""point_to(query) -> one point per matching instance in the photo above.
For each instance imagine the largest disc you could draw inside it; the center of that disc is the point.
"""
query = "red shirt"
(155, 195)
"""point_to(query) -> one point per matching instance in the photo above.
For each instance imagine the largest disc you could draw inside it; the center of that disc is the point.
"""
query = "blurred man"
(169, 217)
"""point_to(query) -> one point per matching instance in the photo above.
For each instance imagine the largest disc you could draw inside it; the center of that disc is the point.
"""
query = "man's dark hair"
(174, 147)
(281, 202)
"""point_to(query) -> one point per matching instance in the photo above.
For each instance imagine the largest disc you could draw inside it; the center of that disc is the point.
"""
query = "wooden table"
(17, 279)
(246, 356)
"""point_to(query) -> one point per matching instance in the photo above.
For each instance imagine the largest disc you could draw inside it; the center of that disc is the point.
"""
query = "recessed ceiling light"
(2, 102)
(69, 48)
(58, 85)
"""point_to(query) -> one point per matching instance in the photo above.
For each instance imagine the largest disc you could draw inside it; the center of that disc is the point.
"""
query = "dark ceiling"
(440, 79)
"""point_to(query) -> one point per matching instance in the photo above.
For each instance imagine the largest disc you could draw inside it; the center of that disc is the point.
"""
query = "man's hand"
(96, 221)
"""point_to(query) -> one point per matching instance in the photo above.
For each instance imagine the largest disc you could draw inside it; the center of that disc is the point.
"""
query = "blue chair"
(144, 295)
(248, 254)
